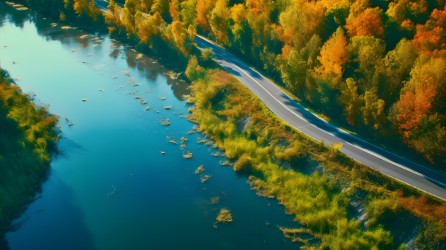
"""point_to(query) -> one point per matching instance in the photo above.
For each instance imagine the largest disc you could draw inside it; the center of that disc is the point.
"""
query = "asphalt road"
(297, 116)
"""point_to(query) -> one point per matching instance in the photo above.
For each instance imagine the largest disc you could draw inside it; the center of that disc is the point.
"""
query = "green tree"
(219, 21)
(352, 102)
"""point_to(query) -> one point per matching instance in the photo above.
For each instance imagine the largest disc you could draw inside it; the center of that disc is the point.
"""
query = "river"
(112, 187)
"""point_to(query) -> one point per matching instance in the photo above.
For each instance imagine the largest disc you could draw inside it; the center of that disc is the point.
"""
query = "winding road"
(287, 109)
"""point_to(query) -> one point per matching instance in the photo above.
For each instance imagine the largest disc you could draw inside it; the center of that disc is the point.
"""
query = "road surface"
(298, 117)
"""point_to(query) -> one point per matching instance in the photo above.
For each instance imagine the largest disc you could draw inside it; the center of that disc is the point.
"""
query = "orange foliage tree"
(366, 23)
(420, 93)
(333, 54)
(204, 7)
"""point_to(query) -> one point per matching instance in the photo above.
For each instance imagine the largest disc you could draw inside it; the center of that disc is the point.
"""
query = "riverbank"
(341, 203)
(28, 136)
(115, 142)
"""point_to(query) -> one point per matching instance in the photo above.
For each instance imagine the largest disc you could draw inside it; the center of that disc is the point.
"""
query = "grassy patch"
(264, 148)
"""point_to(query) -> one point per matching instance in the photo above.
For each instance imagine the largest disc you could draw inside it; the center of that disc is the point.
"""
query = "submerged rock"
(215, 200)
(172, 141)
(205, 178)
(165, 122)
(188, 155)
(199, 170)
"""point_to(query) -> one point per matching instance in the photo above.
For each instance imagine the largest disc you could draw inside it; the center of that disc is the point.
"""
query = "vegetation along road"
(297, 116)
(387, 163)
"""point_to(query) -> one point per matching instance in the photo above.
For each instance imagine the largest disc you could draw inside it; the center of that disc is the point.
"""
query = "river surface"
(111, 187)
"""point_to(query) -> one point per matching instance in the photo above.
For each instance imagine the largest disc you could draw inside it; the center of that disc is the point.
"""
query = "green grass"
(272, 155)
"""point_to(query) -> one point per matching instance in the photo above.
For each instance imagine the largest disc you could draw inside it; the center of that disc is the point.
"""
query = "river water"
(111, 188)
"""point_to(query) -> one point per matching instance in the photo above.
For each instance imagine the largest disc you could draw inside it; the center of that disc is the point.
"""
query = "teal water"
(111, 188)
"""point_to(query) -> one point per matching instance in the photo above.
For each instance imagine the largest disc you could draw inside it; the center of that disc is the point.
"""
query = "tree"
(333, 55)
(352, 102)
(373, 110)
(188, 13)
(432, 35)
(408, 10)
(150, 26)
(128, 17)
(206, 54)
(241, 38)
(419, 96)
(366, 23)
(179, 36)
(174, 10)
(367, 52)
(160, 6)
(194, 71)
(397, 65)
(204, 7)
(219, 20)
(300, 21)
(293, 70)
(238, 13)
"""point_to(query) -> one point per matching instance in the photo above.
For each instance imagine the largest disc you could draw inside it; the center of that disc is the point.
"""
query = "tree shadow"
(52, 221)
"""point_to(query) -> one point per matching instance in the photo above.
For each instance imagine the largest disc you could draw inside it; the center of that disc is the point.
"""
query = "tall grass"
(272, 154)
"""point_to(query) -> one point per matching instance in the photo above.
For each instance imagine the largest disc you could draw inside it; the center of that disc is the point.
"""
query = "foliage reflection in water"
(119, 183)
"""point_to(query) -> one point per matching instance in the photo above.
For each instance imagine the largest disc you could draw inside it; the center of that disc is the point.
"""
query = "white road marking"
(221, 61)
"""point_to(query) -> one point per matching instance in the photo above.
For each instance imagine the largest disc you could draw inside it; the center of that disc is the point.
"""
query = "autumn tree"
(293, 69)
(128, 16)
(219, 20)
(420, 113)
(366, 23)
(300, 21)
(174, 9)
(162, 7)
(179, 36)
(188, 13)
(194, 71)
(367, 52)
(352, 101)
(397, 65)
(204, 7)
(432, 35)
(143, 5)
(238, 13)
(150, 26)
(333, 55)
(425, 87)
(413, 11)
(373, 112)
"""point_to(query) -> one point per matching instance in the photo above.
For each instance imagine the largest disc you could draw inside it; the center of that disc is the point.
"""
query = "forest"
(28, 136)
(381, 62)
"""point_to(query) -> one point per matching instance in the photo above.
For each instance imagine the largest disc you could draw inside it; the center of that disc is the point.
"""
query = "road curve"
(387, 163)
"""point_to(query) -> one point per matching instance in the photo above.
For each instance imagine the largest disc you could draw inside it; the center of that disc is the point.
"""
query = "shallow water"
(111, 188)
